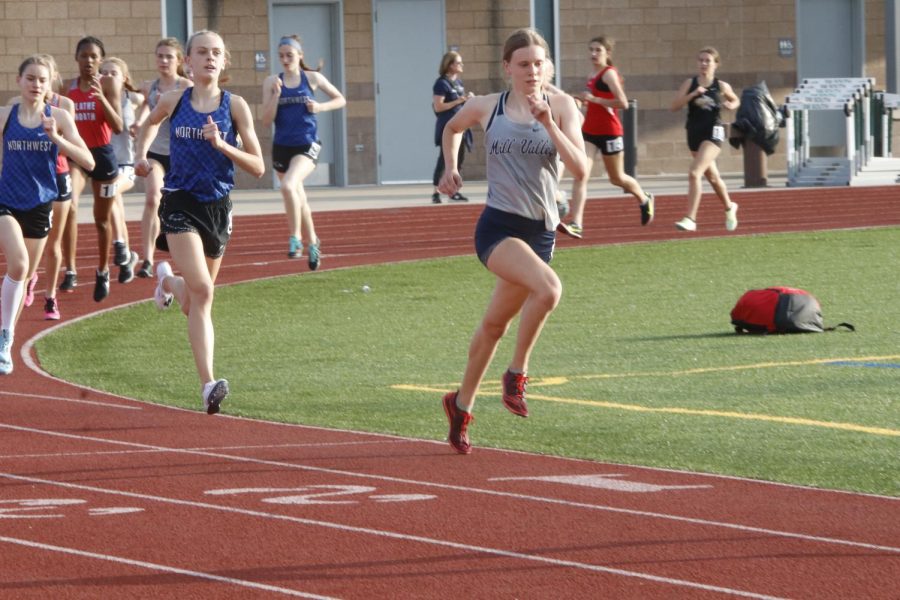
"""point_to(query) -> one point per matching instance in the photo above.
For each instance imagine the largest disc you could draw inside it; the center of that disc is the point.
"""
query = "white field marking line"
(487, 492)
(207, 448)
(392, 535)
(75, 400)
(164, 568)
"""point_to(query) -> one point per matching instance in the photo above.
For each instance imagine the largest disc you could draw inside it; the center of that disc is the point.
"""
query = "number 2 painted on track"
(324, 497)
(319, 494)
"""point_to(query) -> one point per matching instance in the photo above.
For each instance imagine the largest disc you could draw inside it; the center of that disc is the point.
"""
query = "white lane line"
(392, 535)
(164, 568)
(99, 453)
(74, 400)
(487, 492)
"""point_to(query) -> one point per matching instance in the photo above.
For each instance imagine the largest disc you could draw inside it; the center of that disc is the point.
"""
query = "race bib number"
(614, 145)
(65, 184)
(314, 149)
(718, 133)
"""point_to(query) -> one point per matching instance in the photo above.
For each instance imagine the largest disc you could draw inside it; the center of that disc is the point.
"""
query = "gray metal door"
(318, 25)
(409, 45)
(830, 43)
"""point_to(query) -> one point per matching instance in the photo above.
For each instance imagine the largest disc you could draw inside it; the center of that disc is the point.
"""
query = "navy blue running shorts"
(106, 168)
(495, 225)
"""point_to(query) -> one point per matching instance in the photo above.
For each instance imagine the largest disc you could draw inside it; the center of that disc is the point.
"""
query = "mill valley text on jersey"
(526, 146)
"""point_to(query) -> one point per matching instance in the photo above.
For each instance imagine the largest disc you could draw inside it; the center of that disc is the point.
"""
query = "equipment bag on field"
(779, 310)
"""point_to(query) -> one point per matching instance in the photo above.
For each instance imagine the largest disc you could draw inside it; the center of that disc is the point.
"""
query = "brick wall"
(657, 41)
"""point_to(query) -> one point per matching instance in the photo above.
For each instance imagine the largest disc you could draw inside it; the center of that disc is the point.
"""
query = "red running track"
(102, 496)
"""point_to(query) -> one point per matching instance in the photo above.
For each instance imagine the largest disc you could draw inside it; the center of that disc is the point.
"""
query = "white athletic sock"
(11, 294)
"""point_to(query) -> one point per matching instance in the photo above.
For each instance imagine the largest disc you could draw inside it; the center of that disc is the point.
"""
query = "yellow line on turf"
(701, 370)
(679, 411)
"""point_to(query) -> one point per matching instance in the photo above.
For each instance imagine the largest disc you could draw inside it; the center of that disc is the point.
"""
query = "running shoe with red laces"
(514, 393)
(459, 424)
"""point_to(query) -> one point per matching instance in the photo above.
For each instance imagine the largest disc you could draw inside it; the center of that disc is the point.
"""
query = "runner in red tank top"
(97, 116)
(602, 132)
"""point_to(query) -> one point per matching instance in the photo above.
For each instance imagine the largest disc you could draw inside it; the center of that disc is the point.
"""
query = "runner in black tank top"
(704, 96)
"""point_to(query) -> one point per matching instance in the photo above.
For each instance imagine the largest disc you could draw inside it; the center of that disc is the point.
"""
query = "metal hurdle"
(852, 96)
(887, 104)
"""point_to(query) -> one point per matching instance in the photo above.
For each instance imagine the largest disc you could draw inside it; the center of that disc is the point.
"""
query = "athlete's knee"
(696, 173)
(618, 179)
(151, 203)
(201, 293)
(102, 224)
(17, 267)
(548, 295)
(494, 329)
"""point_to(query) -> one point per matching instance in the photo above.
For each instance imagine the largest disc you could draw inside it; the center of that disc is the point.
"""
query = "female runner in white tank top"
(526, 133)
(170, 66)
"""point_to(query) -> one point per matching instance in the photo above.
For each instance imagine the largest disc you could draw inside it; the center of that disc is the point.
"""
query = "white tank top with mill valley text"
(522, 168)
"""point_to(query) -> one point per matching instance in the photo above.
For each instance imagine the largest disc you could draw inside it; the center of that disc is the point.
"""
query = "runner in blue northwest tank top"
(294, 124)
(29, 164)
(196, 166)
(290, 105)
(34, 134)
(195, 212)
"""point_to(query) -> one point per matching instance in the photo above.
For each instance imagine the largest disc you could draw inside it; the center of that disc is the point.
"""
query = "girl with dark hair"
(705, 95)
(602, 132)
(98, 115)
(449, 95)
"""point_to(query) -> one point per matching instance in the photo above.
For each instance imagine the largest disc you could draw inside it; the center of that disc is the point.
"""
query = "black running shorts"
(181, 212)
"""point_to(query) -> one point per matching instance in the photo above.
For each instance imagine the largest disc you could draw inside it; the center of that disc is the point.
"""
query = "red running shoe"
(459, 424)
(514, 393)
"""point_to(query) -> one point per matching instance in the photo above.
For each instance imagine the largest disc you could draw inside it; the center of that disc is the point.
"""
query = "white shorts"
(127, 172)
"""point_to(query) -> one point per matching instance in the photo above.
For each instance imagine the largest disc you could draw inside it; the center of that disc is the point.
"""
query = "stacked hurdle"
(884, 105)
(859, 165)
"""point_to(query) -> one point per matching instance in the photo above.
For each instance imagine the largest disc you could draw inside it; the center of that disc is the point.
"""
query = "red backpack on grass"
(779, 310)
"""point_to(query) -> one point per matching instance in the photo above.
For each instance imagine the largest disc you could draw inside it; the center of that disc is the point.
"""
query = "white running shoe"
(163, 299)
(686, 224)
(6, 340)
(731, 217)
(214, 393)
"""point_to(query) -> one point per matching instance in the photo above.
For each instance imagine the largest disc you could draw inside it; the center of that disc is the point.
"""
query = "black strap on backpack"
(847, 325)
